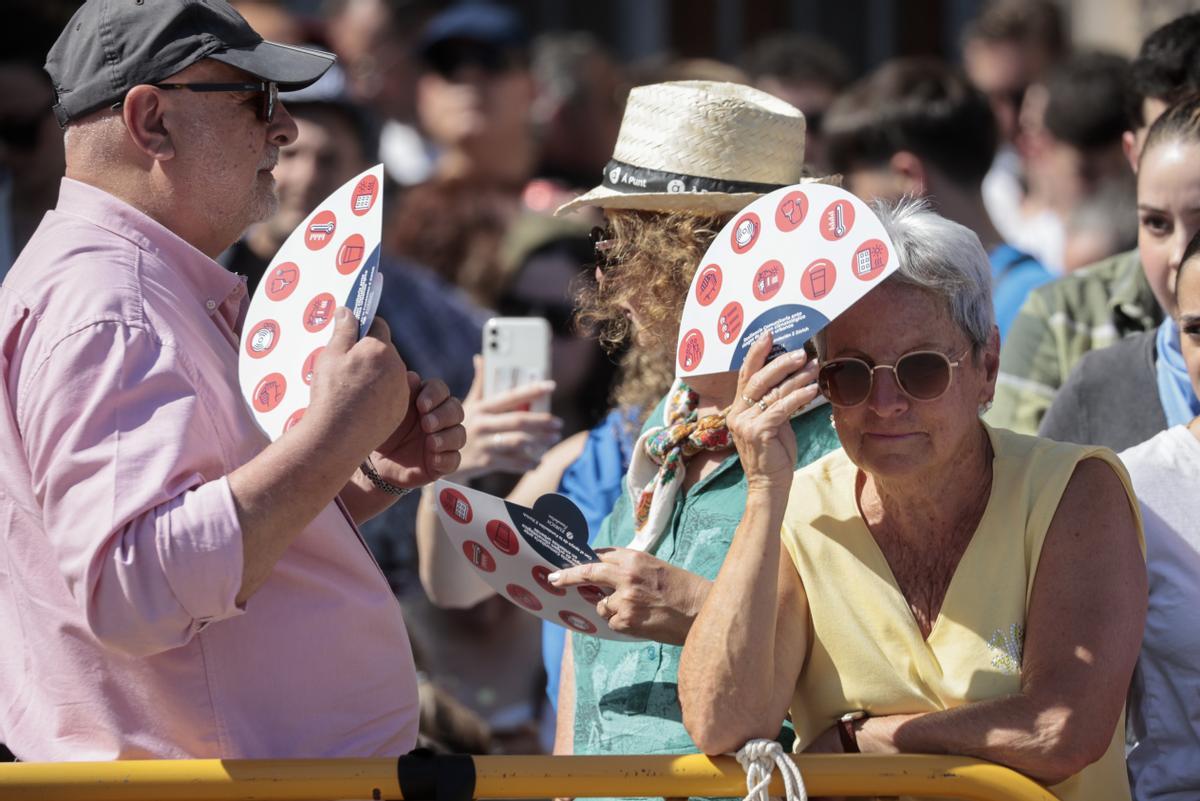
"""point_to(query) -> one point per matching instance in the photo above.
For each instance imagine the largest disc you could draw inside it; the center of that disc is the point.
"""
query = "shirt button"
(210, 304)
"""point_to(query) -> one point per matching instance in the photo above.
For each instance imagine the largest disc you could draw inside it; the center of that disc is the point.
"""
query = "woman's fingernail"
(554, 577)
(798, 356)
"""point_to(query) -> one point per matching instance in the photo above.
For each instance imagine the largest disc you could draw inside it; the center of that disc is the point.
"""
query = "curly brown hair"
(652, 259)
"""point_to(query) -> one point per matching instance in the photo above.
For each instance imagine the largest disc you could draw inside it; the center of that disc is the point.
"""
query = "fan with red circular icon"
(514, 549)
(788, 263)
(330, 260)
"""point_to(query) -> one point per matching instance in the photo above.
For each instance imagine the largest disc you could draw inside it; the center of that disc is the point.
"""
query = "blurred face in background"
(326, 154)
(1003, 70)
(1059, 173)
(476, 101)
(31, 143)
(1188, 301)
(375, 49)
(813, 98)
(1152, 109)
(1168, 212)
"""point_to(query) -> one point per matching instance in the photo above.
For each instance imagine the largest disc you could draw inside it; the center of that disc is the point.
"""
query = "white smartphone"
(516, 351)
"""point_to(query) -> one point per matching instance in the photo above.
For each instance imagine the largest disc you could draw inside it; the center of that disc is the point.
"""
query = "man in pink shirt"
(171, 583)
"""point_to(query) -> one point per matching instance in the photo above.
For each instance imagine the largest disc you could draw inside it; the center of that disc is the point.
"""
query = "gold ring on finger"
(762, 404)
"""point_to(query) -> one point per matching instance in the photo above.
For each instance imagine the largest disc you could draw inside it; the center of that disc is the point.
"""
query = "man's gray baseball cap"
(111, 46)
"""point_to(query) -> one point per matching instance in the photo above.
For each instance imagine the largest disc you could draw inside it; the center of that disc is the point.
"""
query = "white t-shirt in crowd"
(1164, 700)
(1041, 234)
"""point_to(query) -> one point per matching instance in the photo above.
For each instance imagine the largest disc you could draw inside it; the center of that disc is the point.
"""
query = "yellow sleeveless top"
(867, 651)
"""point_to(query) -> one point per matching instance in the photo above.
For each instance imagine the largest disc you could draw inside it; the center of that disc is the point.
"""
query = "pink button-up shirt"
(120, 548)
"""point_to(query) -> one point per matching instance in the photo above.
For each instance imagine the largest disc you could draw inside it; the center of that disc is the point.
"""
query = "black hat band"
(628, 179)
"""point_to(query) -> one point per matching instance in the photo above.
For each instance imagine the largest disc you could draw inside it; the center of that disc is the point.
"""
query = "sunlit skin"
(325, 155)
(1002, 70)
(476, 115)
(222, 128)
(890, 435)
(1132, 141)
(1168, 212)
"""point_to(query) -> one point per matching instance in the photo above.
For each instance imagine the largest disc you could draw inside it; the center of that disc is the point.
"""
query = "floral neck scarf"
(659, 462)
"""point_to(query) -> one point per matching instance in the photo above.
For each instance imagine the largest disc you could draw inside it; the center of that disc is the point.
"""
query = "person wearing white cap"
(690, 154)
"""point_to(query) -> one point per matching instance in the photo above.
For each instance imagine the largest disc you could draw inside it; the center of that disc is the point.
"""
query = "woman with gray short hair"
(936, 586)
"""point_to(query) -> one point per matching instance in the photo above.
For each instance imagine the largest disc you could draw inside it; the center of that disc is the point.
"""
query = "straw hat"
(701, 146)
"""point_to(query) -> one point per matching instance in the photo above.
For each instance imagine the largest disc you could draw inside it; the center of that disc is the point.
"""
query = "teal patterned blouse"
(625, 693)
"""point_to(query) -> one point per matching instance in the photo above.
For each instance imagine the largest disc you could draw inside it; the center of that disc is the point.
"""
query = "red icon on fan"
(282, 280)
(319, 312)
(818, 279)
(837, 220)
(503, 537)
(309, 368)
(263, 338)
(479, 556)
(577, 622)
(540, 574)
(456, 505)
(269, 392)
(291, 421)
(591, 593)
(691, 350)
(745, 233)
(870, 259)
(524, 597)
(350, 254)
(729, 324)
(364, 194)
(791, 211)
(319, 231)
(768, 280)
(708, 285)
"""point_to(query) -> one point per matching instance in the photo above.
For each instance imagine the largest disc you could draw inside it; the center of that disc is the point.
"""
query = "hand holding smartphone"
(516, 352)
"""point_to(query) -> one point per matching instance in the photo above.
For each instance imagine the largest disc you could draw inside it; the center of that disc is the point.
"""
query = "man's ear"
(145, 120)
(909, 173)
(1129, 147)
(991, 364)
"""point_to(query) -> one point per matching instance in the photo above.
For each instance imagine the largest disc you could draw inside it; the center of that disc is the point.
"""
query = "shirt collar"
(1131, 294)
(210, 284)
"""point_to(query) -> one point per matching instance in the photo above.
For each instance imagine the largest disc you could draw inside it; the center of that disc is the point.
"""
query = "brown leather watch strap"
(848, 735)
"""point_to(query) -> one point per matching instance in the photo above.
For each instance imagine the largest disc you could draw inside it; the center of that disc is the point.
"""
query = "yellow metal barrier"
(451, 779)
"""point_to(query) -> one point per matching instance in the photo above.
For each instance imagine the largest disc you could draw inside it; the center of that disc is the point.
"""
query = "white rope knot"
(759, 758)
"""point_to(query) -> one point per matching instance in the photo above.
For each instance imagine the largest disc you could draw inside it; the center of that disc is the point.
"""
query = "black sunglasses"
(269, 92)
(922, 375)
(602, 244)
(449, 57)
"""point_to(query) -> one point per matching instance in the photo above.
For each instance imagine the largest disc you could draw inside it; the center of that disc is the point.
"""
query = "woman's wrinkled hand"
(649, 598)
(760, 417)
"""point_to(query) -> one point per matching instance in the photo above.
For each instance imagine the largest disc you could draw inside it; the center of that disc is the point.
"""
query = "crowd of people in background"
(1049, 190)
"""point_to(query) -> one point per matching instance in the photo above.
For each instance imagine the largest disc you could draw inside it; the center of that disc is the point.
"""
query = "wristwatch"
(846, 732)
(381, 483)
